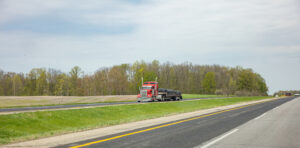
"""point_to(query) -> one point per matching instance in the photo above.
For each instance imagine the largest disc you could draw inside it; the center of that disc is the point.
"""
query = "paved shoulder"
(279, 127)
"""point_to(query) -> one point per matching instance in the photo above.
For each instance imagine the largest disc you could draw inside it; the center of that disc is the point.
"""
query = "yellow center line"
(165, 125)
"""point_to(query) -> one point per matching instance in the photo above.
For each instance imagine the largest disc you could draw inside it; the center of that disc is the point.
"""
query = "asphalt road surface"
(197, 131)
(20, 109)
(278, 128)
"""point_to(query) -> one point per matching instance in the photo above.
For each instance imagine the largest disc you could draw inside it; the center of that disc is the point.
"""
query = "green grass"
(189, 96)
(32, 125)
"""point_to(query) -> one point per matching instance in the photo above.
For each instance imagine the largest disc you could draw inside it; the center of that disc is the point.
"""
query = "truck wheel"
(174, 98)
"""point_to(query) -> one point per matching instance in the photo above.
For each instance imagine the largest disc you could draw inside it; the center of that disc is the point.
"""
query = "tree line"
(125, 79)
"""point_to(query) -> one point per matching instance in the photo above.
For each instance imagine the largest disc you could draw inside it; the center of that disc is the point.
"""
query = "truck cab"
(148, 92)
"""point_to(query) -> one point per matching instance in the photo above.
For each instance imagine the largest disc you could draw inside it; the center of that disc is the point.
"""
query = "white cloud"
(253, 33)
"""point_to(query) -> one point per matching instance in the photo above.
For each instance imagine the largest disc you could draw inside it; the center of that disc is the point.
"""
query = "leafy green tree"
(52, 76)
(232, 86)
(261, 85)
(155, 67)
(118, 80)
(149, 76)
(61, 87)
(1, 82)
(138, 68)
(7, 84)
(1, 91)
(41, 82)
(101, 81)
(209, 83)
(30, 82)
(75, 81)
(245, 80)
(17, 85)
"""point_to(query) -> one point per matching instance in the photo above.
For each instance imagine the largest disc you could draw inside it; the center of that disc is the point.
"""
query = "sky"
(260, 34)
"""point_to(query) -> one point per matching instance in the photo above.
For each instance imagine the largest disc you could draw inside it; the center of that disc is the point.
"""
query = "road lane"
(279, 127)
(189, 133)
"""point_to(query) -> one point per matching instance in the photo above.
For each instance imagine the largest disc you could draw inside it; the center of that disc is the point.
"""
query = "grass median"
(33, 125)
(192, 96)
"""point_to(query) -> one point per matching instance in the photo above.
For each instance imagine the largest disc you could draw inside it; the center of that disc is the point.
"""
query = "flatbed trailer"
(168, 95)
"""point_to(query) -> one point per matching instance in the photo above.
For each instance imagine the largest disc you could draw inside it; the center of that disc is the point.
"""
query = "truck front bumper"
(144, 99)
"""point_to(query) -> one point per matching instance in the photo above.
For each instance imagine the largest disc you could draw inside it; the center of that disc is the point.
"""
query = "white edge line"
(260, 116)
(275, 108)
(222, 137)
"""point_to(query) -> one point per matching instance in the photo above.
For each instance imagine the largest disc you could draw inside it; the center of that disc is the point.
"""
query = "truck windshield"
(146, 87)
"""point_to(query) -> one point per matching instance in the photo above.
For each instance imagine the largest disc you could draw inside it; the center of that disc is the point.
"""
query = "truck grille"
(144, 93)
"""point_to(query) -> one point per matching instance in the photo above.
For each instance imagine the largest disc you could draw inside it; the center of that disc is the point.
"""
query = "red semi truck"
(150, 92)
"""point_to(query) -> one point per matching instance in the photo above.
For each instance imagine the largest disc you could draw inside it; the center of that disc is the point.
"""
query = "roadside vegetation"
(32, 125)
(125, 79)
(192, 96)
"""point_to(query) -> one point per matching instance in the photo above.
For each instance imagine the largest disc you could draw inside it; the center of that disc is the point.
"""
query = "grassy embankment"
(32, 125)
(189, 96)
(34, 101)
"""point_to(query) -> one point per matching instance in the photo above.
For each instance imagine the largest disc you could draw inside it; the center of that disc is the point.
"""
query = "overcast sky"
(260, 34)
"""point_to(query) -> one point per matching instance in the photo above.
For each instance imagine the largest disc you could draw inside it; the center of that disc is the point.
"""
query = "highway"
(23, 109)
(209, 130)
